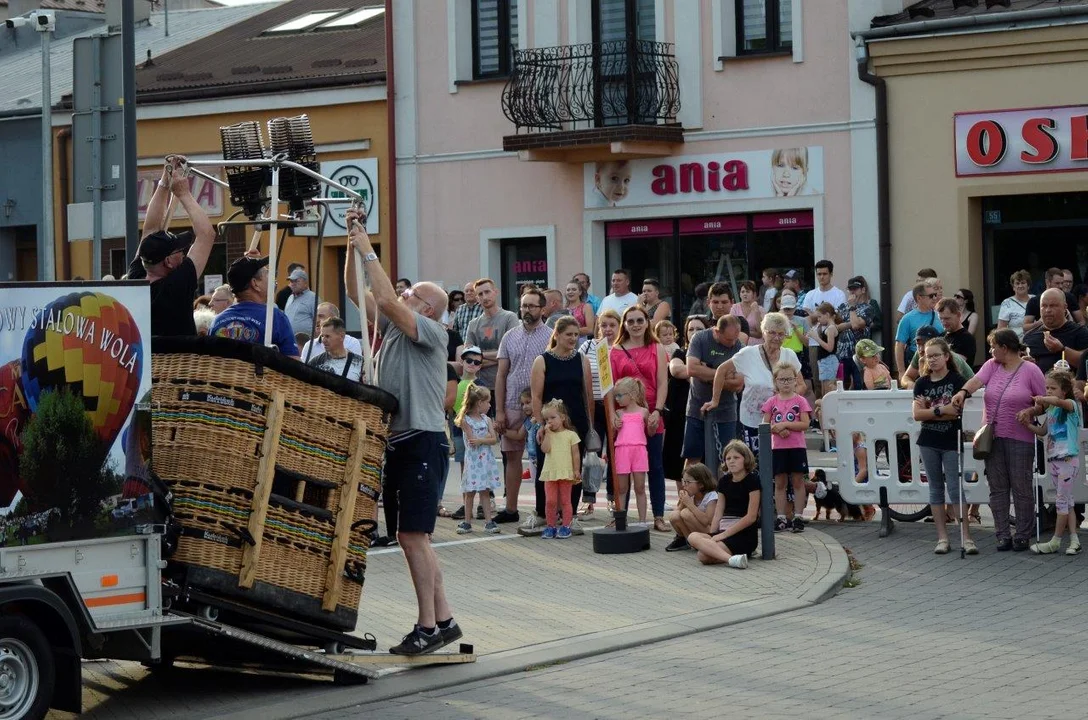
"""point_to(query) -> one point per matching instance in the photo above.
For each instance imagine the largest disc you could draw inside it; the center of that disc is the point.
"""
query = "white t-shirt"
(709, 499)
(758, 383)
(339, 366)
(768, 298)
(619, 303)
(907, 303)
(1012, 311)
(351, 344)
(815, 297)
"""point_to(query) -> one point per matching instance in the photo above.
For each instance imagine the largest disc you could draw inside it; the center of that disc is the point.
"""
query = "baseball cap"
(472, 349)
(855, 282)
(298, 274)
(157, 246)
(242, 270)
(788, 302)
(867, 348)
(791, 275)
(926, 332)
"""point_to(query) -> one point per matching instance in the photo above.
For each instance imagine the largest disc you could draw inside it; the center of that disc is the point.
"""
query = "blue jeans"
(942, 470)
(656, 476)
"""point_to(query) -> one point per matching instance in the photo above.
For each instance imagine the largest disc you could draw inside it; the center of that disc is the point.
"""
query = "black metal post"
(128, 70)
(766, 484)
(887, 525)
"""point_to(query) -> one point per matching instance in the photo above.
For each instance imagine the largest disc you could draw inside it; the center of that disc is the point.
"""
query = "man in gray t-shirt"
(486, 331)
(709, 349)
(412, 368)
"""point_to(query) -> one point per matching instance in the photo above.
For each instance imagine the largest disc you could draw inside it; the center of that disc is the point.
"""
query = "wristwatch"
(370, 257)
(937, 411)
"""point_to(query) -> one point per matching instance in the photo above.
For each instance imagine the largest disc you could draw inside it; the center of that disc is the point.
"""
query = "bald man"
(313, 348)
(413, 369)
(1057, 335)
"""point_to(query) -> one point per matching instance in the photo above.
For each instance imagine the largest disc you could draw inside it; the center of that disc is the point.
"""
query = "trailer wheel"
(27, 673)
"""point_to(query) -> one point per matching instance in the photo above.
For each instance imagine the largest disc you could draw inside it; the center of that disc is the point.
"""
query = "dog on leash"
(829, 498)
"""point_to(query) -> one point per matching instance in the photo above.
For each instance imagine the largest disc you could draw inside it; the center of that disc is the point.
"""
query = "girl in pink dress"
(632, 460)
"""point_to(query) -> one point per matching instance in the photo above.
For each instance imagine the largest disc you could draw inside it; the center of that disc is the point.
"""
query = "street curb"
(831, 572)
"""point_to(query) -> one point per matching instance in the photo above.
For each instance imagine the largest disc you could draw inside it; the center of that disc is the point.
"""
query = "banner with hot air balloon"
(75, 362)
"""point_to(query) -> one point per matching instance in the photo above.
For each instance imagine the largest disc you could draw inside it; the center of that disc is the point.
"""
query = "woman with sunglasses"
(638, 354)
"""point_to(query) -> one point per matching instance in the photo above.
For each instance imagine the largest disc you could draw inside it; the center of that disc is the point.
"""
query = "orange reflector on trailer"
(109, 581)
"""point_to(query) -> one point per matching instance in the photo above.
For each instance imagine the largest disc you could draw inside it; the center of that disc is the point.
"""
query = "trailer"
(63, 602)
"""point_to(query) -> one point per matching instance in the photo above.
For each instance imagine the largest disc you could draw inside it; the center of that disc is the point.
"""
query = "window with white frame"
(494, 37)
(764, 26)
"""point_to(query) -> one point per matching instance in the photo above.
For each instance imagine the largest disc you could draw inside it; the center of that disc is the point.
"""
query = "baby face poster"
(74, 363)
(781, 172)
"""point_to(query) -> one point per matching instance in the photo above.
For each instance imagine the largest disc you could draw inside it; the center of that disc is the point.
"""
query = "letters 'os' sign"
(1012, 142)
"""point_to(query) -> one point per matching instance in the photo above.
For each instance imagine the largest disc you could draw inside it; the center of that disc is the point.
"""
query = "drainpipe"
(391, 134)
(66, 248)
(883, 193)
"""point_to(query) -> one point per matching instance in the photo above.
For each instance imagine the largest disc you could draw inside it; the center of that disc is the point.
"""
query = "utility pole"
(128, 76)
(47, 266)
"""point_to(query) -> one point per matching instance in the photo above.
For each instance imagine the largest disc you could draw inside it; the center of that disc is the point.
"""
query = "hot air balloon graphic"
(14, 414)
(88, 343)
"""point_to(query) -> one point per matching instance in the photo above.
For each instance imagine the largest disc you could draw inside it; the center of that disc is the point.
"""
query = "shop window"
(494, 37)
(118, 265)
(524, 262)
(764, 26)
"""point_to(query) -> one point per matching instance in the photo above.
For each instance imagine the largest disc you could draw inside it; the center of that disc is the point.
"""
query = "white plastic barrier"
(882, 415)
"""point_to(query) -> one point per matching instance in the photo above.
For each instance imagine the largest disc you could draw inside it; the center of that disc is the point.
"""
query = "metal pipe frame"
(277, 164)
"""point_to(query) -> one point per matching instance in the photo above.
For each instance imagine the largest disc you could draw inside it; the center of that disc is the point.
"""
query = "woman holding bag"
(1011, 383)
(638, 354)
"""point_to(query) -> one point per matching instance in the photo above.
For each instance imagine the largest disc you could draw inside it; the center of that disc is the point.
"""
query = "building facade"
(988, 150)
(686, 141)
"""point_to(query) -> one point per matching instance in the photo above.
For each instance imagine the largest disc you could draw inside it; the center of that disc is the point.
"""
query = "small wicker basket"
(275, 469)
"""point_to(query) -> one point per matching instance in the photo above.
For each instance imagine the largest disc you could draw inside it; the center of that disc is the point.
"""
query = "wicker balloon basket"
(275, 470)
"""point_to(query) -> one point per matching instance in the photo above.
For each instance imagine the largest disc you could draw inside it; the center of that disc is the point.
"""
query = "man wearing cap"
(924, 335)
(856, 314)
(244, 320)
(413, 369)
(169, 261)
(300, 306)
(791, 280)
(284, 294)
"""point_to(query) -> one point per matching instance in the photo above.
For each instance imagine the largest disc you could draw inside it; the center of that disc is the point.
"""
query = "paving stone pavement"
(998, 635)
(518, 600)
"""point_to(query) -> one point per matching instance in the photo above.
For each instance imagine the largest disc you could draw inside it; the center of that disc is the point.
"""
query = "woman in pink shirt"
(1011, 382)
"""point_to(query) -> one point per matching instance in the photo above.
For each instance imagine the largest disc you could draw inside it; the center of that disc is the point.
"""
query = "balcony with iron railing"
(594, 101)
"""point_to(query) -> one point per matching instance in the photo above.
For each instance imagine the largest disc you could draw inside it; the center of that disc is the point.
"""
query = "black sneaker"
(479, 512)
(418, 643)
(453, 632)
(780, 524)
(384, 541)
(678, 543)
(798, 525)
(1020, 544)
(505, 516)
(1004, 545)
(459, 513)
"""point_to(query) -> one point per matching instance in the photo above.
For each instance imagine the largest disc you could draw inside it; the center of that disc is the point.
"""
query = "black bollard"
(766, 494)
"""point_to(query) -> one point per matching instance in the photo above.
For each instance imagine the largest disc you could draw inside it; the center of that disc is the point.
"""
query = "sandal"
(975, 518)
(942, 547)
(661, 526)
(587, 510)
(444, 513)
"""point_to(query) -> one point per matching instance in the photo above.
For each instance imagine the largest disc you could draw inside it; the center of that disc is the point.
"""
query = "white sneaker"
(1074, 547)
(738, 561)
(576, 527)
(533, 525)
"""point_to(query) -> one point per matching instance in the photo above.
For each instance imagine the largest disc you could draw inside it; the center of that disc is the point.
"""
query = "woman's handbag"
(983, 443)
(593, 441)
(594, 470)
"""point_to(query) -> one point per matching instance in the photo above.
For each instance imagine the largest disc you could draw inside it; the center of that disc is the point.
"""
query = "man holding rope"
(413, 369)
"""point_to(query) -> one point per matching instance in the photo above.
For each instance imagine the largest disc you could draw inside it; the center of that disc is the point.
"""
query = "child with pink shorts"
(631, 459)
(1061, 428)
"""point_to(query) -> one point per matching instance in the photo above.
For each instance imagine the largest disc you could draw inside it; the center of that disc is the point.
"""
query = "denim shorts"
(942, 471)
(695, 437)
(829, 368)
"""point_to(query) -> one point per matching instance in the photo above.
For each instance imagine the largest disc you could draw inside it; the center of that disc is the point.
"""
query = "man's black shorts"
(413, 474)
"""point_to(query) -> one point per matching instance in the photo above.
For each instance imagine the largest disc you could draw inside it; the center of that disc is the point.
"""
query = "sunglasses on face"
(473, 362)
(932, 296)
(635, 321)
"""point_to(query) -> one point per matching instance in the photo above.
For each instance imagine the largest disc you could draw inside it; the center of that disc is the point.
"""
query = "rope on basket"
(362, 287)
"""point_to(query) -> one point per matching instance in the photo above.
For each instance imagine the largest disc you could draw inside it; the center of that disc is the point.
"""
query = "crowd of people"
(688, 395)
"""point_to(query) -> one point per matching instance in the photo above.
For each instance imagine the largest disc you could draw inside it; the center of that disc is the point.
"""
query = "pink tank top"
(579, 314)
(641, 363)
(633, 430)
